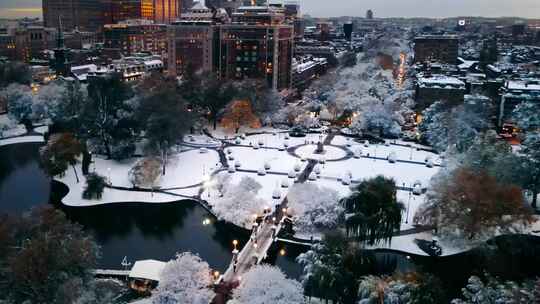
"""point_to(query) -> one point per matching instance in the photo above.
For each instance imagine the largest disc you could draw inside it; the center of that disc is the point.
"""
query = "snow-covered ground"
(41, 129)
(364, 168)
(201, 140)
(185, 169)
(278, 139)
(330, 153)
(251, 159)
(22, 139)
(9, 128)
(380, 150)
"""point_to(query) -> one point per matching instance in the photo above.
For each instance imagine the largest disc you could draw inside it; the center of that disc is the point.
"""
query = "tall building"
(115, 11)
(439, 48)
(166, 11)
(135, 36)
(369, 14)
(75, 14)
(257, 44)
(31, 41)
(159, 11)
(193, 41)
(347, 30)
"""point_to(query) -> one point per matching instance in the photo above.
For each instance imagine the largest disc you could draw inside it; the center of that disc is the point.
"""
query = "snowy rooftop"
(147, 269)
(440, 81)
(522, 85)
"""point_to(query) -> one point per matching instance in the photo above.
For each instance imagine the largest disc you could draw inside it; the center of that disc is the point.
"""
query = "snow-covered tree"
(490, 290)
(184, 280)
(412, 288)
(314, 207)
(386, 290)
(103, 114)
(61, 151)
(383, 119)
(445, 126)
(238, 202)
(48, 100)
(265, 284)
(473, 206)
(14, 72)
(145, 173)
(528, 119)
(20, 102)
(333, 267)
(527, 116)
(265, 101)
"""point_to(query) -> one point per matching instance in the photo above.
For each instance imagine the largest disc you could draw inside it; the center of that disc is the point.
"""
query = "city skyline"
(382, 8)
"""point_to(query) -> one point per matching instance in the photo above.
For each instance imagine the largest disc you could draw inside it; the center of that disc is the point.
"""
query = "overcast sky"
(382, 8)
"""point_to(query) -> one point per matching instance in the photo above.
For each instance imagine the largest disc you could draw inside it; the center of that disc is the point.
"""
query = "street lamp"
(282, 252)
(109, 171)
(408, 207)
(235, 250)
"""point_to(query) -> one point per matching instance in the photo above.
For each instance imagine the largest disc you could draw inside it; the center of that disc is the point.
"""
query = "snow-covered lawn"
(183, 169)
(251, 159)
(364, 168)
(406, 243)
(74, 196)
(201, 140)
(41, 129)
(329, 153)
(276, 140)
(411, 153)
(22, 139)
(9, 128)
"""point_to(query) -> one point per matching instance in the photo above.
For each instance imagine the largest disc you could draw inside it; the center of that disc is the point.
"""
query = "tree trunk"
(534, 200)
(214, 119)
(86, 161)
(164, 158)
(75, 171)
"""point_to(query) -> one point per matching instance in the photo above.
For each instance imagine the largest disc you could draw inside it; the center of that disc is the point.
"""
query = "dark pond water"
(23, 184)
(158, 231)
(135, 230)
(141, 231)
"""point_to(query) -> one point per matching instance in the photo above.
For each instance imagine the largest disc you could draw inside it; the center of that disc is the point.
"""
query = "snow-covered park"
(259, 172)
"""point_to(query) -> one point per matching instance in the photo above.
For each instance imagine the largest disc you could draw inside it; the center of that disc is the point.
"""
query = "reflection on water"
(156, 231)
(386, 262)
(23, 184)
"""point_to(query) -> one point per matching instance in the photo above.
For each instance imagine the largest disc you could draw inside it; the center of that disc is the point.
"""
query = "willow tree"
(373, 212)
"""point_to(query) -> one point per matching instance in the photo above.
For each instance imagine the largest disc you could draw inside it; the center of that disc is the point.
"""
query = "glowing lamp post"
(235, 251)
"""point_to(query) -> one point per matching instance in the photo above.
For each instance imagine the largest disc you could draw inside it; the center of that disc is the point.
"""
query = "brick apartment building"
(436, 48)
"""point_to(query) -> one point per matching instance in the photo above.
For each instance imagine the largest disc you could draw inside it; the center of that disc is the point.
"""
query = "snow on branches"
(314, 208)
(145, 173)
(184, 280)
(267, 284)
(236, 203)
